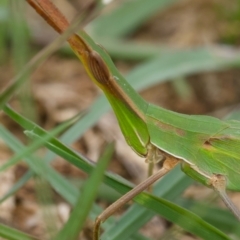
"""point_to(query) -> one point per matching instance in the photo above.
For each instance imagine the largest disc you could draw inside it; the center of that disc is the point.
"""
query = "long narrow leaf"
(84, 203)
(160, 69)
(59, 183)
(220, 218)
(127, 50)
(13, 234)
(182, 63)
(37, 144)
(19, 184)
(4, 16)
(124, 18)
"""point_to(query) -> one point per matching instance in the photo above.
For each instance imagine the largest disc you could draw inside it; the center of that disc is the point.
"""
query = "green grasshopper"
(207, 148)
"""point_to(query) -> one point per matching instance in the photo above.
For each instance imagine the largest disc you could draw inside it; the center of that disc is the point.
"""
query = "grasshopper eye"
(98, 68)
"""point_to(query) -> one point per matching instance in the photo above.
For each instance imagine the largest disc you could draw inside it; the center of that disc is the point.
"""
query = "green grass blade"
(19, 34)
(19, 184)
(127, 50)
(13, 234)
(139, 237)
(181, 63)
(29, 126)
(235, 115)
(185, 219)
(84, 203)
(220, 218)
(125, 19)
(98, 108)
(37, 144)
(60, 184)
(4, 17)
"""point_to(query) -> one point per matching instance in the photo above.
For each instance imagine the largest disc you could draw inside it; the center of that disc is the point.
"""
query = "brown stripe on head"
(102, 75)
(106, 81)
(98, 68)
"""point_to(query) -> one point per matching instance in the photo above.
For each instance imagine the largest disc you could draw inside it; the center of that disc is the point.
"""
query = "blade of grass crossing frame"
(60, 184)
(218, 217)
(4, 12)
(13, 234)
(181, 63)
(130, 21)
(19, 184)
(84, 203)
(28, 125)
(98, 108)
(126, 50)
(37, 144)
(20, 36)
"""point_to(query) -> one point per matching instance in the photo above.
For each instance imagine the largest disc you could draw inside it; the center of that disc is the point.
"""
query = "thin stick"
(168, 165)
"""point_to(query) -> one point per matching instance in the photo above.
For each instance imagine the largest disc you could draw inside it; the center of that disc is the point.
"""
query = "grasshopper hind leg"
(168, 164)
